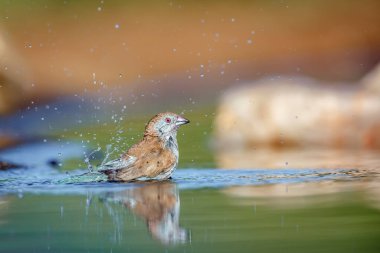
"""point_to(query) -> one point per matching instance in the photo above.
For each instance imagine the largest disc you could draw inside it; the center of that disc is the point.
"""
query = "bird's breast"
(172, 145)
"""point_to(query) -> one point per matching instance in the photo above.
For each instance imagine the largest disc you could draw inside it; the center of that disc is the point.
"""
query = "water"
(166, 217)
(45, 208)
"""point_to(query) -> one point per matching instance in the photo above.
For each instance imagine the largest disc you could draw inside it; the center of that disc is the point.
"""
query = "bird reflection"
(158, 204)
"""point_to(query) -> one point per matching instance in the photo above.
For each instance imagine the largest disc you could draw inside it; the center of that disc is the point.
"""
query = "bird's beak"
(182, 121)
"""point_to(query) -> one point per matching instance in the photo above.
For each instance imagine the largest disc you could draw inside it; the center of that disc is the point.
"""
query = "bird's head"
(164, 124)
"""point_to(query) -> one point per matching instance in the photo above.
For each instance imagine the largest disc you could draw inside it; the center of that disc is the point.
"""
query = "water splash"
(87, 159)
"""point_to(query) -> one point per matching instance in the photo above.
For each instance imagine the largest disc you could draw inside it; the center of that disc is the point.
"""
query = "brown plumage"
(154, 157)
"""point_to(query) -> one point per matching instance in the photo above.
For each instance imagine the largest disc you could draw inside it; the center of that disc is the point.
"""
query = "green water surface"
(214, 221)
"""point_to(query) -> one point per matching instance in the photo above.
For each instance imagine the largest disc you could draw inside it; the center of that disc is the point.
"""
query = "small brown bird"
(154, 157)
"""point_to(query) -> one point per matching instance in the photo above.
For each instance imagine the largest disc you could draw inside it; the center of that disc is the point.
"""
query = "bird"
(155, 157)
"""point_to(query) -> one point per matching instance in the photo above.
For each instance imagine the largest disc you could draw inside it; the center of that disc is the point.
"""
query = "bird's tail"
(120, 170)
(129, 174)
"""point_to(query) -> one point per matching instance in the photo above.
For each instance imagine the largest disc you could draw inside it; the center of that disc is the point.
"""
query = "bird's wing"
(149, 164)
(148, 158)
(117, 164)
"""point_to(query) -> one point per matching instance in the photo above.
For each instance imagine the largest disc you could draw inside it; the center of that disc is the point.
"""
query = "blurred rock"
(371, 81)
(12, 75)
(7, 166)
(269, 158)
(300, 112)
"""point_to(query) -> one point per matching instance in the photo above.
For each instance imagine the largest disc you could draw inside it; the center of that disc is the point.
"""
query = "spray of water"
(108, 153)
(87, 159)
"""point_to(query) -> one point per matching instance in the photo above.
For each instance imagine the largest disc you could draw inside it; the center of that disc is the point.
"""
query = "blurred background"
(289, 89)
(249, 74)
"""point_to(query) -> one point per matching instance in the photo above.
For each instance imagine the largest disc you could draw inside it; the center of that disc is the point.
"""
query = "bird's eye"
(168, 120)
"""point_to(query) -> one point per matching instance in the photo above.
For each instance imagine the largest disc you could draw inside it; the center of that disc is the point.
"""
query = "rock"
(13, 76)
(296, 158)
(371, 81)
(299, 112)
(7, 166)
